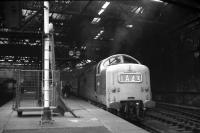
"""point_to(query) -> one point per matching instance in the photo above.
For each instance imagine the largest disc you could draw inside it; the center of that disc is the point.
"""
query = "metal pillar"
(46, 117)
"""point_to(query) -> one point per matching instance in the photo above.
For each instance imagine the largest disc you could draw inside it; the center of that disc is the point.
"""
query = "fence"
(29, 90)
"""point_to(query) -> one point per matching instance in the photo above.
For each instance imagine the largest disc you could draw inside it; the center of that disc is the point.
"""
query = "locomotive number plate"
(130, 77)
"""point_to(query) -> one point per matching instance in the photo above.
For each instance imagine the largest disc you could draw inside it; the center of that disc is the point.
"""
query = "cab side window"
(98, 68)
(115, 60)
(106, 63)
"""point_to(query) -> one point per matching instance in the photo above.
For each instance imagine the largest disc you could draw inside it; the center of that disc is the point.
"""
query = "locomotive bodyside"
(87, 84)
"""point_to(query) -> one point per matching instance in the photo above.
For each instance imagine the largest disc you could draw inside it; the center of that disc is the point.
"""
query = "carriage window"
(129, 60)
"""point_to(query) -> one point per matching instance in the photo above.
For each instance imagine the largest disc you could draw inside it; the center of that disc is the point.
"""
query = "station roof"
(80, 24)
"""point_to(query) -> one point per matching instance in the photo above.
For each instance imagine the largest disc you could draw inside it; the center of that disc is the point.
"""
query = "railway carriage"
(120, 82)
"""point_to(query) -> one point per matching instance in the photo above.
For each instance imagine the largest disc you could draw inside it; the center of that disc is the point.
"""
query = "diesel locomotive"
(120, 82)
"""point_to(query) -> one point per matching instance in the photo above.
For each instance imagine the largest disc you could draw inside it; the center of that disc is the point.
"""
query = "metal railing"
(29, 90)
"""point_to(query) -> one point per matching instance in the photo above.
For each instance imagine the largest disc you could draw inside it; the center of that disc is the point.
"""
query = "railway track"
(139, 123)
(192, 112)
(176, 118)
(166, 118)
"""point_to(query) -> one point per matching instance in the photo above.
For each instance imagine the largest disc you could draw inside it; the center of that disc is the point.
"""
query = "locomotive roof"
(118, 55)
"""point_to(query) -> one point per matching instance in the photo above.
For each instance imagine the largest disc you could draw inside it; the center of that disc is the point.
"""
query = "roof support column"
(46, 117)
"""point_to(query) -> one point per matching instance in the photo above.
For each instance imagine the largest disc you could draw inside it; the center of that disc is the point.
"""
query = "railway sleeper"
(196, 130)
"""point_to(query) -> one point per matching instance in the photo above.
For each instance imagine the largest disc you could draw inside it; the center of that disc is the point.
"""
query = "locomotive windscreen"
(129, 60)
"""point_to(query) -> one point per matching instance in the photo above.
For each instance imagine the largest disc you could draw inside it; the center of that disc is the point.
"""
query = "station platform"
(91, 120)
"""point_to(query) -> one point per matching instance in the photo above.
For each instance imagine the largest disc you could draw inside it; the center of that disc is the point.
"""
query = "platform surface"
(92, 120)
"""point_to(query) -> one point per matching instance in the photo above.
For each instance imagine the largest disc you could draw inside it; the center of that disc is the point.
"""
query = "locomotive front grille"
(131, 106)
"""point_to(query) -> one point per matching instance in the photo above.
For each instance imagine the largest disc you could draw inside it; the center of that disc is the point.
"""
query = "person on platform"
(66, 90)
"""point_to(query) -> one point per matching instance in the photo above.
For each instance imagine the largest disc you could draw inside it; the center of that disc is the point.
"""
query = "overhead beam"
(184, 25)
(30, 19)
(29, 35)
(12, 34)
(66, 12)
(63, 8)
(15, 50)
(192, 4)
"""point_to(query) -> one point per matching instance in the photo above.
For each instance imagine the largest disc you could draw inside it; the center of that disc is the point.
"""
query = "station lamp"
(103, 7)
(157, 0)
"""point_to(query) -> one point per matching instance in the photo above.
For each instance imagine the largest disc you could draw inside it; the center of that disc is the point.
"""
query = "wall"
(175, 73)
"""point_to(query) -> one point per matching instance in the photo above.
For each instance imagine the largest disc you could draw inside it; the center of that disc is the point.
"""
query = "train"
(119, 82)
